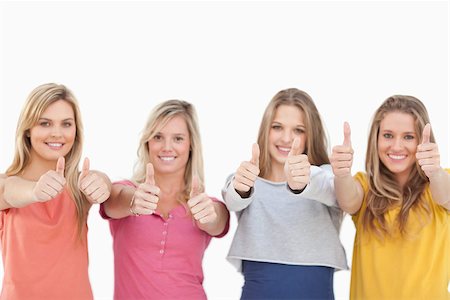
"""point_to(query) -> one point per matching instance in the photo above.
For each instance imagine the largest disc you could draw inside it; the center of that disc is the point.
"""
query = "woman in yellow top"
(400, 206)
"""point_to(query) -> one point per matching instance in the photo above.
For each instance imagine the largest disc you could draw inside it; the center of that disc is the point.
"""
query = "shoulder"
(362, 178)
(2, 180)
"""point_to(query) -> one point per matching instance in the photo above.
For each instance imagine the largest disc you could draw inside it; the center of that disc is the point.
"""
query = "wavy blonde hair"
(38, 101)
(158, 118)
(384, 192)
(316, 140)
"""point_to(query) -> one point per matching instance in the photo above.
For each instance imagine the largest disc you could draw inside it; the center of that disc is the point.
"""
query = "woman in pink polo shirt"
(161, 220)
(44, 201)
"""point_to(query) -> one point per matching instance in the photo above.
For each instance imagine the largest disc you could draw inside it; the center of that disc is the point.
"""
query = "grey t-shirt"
(275, 225)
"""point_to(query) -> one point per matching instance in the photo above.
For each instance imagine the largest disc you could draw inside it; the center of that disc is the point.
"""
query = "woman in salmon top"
(44, 201)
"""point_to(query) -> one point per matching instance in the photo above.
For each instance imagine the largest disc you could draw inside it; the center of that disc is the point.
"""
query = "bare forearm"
(18, 192)
(348, 193)
(118, 204)
(215, 228)
(3, 204)
(440, 188)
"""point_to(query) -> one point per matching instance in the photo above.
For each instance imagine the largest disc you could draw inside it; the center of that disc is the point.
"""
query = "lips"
(283, 150)
(397, 156)
(167, 158)
(55, 146)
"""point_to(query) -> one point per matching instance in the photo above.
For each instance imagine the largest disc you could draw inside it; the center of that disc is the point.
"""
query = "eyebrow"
(47, 119)
(299, 125)
(159, 132)
(389, 130)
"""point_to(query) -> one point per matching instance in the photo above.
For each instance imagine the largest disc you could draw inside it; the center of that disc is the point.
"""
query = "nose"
(167, 145)
(56, 131)
(287, 137)
(398, 144)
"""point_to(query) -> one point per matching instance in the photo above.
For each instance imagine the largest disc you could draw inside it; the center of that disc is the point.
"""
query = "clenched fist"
(297, 167)
(92, 185)
(342, 156)
(201, 206)
(146, 197)
(248, 171)
(428, 154)
(50, 184)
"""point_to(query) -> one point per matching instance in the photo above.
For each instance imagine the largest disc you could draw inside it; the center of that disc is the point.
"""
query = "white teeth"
(284, 149)
(167, 158)
(54, 144)
(397, 156)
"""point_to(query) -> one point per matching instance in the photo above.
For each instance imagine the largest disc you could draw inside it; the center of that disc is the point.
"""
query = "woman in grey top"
(287, 240)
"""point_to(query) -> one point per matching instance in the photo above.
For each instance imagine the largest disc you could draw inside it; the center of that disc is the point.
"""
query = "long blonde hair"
(316, 141)
(158, 118)
(384, 192)
(38, 101)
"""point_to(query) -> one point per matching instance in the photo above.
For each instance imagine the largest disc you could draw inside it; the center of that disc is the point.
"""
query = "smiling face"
(287, 125)
(54, 134)
(169, 147)
(397, 144)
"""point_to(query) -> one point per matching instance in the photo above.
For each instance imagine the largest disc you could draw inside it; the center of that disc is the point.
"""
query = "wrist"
(18, 192)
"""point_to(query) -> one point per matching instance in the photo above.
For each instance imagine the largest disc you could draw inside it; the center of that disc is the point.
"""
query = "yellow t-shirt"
(416, 266)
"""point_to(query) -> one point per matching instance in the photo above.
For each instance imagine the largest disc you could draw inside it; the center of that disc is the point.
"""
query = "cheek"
(72, 135)
(273, 136)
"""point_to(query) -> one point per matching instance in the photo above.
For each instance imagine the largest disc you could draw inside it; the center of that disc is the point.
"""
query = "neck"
(402, 179)
(37, 167)
(277, 173)
(170, 184)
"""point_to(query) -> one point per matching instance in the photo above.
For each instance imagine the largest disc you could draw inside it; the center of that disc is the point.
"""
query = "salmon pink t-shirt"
(157, 258)
(44, 257)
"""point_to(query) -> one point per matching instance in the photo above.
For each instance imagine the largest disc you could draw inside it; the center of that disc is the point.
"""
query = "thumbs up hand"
(297, 167)
(342, 156)
(248, 171)
(50, 184)
(92, 185)
(201, 206)
(146, 197)
(427, 154)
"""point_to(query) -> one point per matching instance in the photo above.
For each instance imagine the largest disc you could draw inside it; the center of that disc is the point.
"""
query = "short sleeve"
(362, 179)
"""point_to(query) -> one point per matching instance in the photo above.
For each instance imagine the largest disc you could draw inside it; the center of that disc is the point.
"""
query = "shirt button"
(170, 216)
(161, 251)
(165, 224)
(164, 232)
(163, 242)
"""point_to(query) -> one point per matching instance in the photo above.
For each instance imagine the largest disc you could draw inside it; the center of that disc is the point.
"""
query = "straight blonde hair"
(38, 101)
(316, 140)
(384, 192)
(158, 118)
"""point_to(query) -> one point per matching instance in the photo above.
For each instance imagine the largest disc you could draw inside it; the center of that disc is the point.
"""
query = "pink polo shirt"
(157, 258)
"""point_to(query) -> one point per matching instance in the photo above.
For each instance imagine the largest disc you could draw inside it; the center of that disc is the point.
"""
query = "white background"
(228, 59)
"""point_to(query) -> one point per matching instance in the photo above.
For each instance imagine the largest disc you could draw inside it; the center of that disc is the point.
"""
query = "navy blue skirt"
(278, 281)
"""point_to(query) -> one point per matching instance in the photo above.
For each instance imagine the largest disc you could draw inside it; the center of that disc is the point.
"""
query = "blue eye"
(387, 136)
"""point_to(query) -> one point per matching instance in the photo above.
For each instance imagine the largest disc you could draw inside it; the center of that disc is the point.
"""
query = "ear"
(27, 133)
